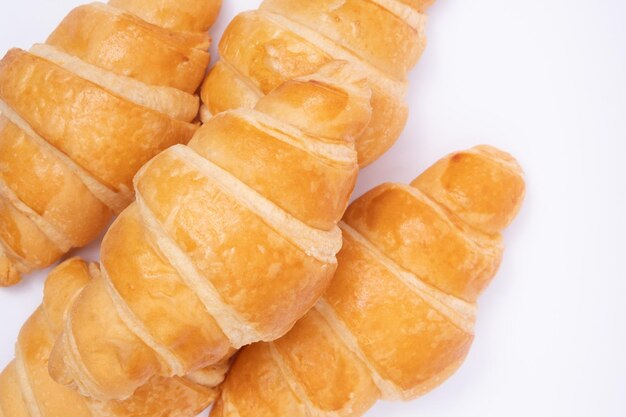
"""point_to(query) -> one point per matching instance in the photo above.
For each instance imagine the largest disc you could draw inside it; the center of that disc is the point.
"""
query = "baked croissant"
(26, 389)
(82, 113)
(398, 317)
(231, 239)
(289, 38)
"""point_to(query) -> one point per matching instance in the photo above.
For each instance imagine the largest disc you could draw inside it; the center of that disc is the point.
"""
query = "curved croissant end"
(26, 389)
(286, 39)
(398, 317)
(80, 114)
(232, 239)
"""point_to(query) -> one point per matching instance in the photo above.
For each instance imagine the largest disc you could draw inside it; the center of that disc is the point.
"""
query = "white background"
(545, 80)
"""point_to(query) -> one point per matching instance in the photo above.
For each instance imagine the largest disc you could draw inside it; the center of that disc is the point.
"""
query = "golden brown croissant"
(289, 38)
(231, 240)
(82, 113)
(26, 389)
(398, 317)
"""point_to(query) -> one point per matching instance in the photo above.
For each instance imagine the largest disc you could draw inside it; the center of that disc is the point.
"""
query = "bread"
(26, 389)
(231, 240)
(80, 114)
(398, 318)
(289, 38)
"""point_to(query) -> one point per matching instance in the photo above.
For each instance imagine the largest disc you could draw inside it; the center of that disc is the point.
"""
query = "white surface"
(546, 81)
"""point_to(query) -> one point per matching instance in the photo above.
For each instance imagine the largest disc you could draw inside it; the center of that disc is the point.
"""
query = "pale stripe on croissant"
(234, 326)
(310, 408)
(461, 313)
(182, 15)
(411, 16)
(27, 391)
(167, 100)
(72, 360)
(97, 61)
(132, 322)
(52, 233)
(389, 389)
(335, 152)
(111, 199)
(374, 75)
(382, 332)
(253, 281)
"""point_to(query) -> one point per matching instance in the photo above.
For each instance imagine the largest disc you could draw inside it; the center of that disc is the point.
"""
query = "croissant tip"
(498, 154)
(9, 281)
(9, 274)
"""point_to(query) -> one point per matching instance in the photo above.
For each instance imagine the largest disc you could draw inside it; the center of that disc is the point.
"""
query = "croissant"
(398, 317)
(289, 38)
(26, 389)
(82, 113)
(231, 240)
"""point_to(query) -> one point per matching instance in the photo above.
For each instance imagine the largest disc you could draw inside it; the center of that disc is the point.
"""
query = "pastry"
(289, 38)
(26, 389)
(231, 239)
(398, 318)
(80, 114)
